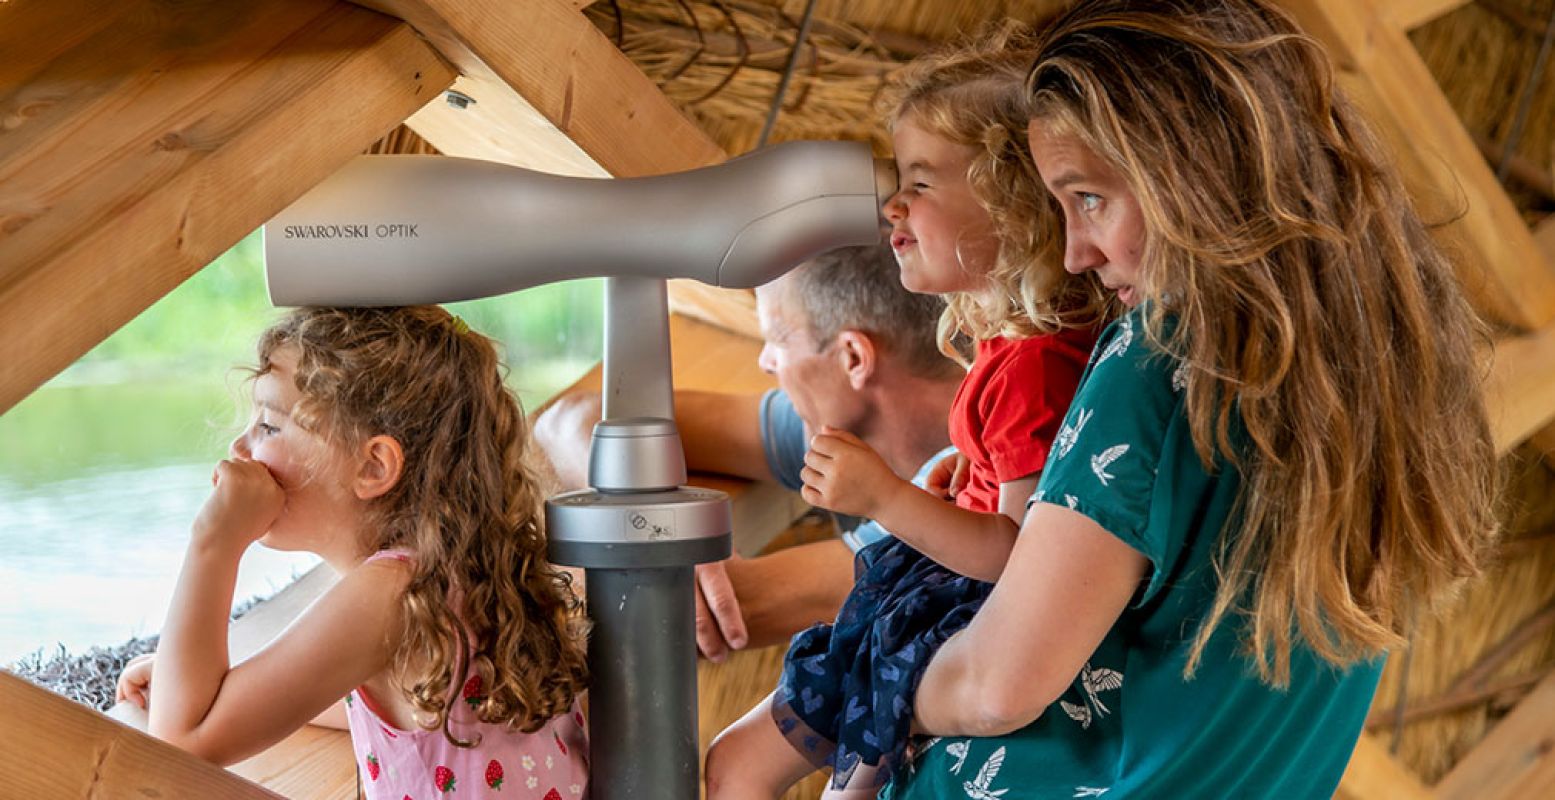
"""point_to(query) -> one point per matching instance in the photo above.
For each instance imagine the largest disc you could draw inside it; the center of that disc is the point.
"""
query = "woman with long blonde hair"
(1276, 456)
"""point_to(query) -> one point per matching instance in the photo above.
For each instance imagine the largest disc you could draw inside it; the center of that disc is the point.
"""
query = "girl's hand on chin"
(244, 504)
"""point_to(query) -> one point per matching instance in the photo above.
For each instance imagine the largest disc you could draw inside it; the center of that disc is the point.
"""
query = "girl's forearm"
(969, 542)
(192, 658)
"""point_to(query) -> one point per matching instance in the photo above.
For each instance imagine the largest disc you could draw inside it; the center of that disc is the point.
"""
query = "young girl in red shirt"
(966, 184)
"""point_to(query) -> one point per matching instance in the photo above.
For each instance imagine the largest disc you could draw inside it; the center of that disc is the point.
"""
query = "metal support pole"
(642, 667)
(638, 532)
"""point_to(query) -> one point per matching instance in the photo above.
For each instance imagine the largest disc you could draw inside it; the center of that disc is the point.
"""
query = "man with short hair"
(850, 349)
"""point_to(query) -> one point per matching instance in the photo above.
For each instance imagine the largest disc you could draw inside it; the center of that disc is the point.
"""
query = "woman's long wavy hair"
(482, 599)
(972, 94)
(1311, 306)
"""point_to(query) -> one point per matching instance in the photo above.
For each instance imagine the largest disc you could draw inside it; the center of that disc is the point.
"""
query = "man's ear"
(857, 356)
(382, 462)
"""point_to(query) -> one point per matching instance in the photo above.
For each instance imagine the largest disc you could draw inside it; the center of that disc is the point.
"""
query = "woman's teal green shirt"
(1131, 725)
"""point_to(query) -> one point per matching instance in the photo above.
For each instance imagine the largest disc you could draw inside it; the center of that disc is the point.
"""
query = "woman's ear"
(856, 353)
(382, 463)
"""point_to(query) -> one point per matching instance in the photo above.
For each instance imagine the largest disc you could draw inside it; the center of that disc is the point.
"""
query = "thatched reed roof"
(1483, 55)
(720, 62)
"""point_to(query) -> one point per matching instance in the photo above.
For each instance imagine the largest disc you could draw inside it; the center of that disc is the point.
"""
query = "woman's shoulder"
(1134, 349)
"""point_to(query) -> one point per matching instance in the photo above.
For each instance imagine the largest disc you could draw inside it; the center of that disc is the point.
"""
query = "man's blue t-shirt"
(784, 442)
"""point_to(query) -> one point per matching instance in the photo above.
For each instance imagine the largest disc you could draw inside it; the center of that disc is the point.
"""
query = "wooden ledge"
(313, 762)
(51, 746)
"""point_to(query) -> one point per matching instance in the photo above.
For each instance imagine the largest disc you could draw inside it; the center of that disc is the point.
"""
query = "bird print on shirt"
(1120, 343)
(959, 750)
(1070, 433)
(1094, 681)
(981, 787)
(1103, 460)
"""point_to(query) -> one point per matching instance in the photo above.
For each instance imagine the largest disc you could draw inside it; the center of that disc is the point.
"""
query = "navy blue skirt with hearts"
(846, 694)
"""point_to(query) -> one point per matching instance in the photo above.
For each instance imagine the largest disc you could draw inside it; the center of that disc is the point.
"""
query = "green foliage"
(212, 319)
(163, 388)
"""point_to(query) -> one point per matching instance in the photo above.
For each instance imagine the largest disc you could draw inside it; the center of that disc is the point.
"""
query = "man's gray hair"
(858, 288)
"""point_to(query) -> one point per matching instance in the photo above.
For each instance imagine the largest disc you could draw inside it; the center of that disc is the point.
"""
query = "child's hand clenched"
(243, 506)
(949, 477)
(845, 475)
(135, 681)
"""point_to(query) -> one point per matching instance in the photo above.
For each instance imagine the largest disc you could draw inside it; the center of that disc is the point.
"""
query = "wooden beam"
(734, 310)
(1410, 14)
(1544, 236)
(1503, 271)
(1544, 440)
(1373, 774)
(140, 146)
(568, 71)
(54, 747)
(1515, 760)
(1520, 390)
(1520, 169)
(495, 123)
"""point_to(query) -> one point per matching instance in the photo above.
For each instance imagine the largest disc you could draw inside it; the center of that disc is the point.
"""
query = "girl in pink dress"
(384, 441)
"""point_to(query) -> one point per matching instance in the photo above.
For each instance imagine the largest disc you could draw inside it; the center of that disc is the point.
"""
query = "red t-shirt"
(1010, 406)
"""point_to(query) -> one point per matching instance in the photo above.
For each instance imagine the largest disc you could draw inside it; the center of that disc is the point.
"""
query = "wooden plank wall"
(142, 139)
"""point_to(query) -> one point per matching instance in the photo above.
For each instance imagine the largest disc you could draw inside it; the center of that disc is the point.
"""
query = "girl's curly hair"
(973, 94)
(482, 599)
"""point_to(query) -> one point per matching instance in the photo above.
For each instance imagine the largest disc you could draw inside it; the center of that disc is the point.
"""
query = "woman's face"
(1104, 230)
(942, 237)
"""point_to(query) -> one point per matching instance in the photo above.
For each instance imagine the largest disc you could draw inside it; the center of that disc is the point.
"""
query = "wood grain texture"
(1410, 14)
(136, 151)
(559, 64)
(1514, 760)
(54, 747)
(1373, 774)
(1520, 390)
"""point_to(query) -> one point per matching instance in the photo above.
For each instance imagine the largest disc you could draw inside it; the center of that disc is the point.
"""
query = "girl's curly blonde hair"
(482, 599)
(973, 94)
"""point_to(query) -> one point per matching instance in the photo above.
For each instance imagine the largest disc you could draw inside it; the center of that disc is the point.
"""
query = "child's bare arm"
(843, 474)
(342, 640)
(332, 717)
(224, 713)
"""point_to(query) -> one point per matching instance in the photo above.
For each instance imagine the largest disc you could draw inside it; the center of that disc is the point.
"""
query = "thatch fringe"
(721, 61)
(1490, 610)
(90, 678)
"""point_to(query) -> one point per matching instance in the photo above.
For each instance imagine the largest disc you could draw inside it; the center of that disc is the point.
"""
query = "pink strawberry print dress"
(549, 764)
(397, 764)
